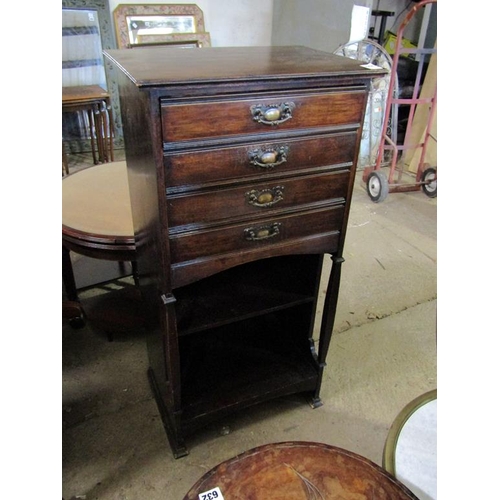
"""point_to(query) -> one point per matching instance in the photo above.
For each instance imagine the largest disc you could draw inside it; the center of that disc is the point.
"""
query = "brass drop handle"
(272, 114)
(262, 232)
(269, 157)
(264, 198)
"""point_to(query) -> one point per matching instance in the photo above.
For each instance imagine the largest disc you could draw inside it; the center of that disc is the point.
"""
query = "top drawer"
(226, 118)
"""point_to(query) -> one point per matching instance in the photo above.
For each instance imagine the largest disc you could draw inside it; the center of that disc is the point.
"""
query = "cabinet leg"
(328, 320)
(315, 402)
(176, 441)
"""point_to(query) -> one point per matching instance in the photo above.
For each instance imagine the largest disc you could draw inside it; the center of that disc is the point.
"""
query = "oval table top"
(96, 203)
(298, 471)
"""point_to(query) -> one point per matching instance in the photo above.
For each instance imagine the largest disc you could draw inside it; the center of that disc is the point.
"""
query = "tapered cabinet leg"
(328, 320)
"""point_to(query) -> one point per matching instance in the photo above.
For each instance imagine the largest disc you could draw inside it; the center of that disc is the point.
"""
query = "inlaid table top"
(298, 471)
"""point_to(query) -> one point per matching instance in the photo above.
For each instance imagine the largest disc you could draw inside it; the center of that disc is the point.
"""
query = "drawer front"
(195, 167)
(256, 199)
(255, 234)
(226, 118)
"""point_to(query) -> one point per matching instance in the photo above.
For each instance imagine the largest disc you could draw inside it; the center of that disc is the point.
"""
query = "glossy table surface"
(298, 471)
(83, 93)
(96, 202)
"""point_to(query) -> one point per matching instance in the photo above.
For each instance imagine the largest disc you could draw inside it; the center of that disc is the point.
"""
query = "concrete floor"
(382, 356)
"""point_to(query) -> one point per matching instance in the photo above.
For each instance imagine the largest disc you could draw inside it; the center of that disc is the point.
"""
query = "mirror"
(149, 24)
(82, 59)
(99, 23)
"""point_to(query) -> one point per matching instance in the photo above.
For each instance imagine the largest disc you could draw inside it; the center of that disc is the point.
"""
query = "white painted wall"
(326, 24)
(229, 22)
(320, 24)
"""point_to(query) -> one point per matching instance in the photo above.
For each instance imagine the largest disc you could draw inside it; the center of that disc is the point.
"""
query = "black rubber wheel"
(377, 186)
(430, 186)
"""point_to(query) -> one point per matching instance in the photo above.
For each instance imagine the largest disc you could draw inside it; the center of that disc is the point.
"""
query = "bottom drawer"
(198, 254)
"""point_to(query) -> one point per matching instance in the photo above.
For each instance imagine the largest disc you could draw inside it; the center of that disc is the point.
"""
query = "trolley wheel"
(377, 186)
(430, 186)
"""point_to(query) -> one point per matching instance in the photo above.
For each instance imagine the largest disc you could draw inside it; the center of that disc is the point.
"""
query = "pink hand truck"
(378, 185)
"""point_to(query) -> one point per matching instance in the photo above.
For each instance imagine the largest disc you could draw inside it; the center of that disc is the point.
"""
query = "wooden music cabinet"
(241, 163)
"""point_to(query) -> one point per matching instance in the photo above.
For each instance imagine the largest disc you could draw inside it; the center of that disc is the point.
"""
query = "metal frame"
(388, 143)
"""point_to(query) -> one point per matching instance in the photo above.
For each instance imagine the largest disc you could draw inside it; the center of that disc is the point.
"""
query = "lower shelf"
(249, 362)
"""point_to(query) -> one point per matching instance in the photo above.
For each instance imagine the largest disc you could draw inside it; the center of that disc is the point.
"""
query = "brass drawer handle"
(262, 232)
(265, 197)
(272, 114)
(268, 157)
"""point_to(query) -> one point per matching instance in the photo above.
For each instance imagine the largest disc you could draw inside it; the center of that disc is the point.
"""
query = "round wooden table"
(96, 222)
(298, 471)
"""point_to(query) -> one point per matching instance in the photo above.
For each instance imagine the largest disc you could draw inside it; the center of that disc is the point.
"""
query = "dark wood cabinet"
(241, 164)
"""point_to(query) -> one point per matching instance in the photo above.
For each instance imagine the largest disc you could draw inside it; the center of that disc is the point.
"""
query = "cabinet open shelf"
(253, 289)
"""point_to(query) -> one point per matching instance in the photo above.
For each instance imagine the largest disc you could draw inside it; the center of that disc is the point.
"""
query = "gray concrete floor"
(382, 356)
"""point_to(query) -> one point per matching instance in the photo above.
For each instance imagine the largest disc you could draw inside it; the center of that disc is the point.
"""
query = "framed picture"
(157, 24)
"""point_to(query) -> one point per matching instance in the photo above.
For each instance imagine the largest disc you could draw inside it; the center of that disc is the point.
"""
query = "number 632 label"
(213, 494)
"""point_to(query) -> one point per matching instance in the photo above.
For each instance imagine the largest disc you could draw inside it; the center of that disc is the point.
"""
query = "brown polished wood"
(241, 164)
(187, 170)
(183, 122)
(299, 471)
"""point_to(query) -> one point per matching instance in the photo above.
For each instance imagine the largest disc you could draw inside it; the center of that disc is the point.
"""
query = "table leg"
(111, 129)
(65, 166)
(104, 132)
(98, 117)
(135, 273)
(72, 308)
(68, 276)
(92, 130)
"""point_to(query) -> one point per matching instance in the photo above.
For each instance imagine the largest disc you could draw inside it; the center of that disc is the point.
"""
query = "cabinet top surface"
(154, 66)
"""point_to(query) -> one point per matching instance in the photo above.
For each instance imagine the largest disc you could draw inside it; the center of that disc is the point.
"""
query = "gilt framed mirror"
(160, 24)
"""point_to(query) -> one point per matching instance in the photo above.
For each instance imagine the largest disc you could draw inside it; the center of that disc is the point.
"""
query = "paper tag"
(360, 21)
(370, 66)
(213, 494)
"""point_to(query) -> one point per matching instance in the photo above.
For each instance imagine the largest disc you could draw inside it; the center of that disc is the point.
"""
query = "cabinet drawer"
(197, 167)
(226, 118)
(254, 234)
(256, 199)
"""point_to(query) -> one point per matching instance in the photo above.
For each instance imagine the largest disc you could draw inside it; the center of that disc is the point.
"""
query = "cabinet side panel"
(143, 155)
(352, 177)
(142, 180)
(145, 208)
